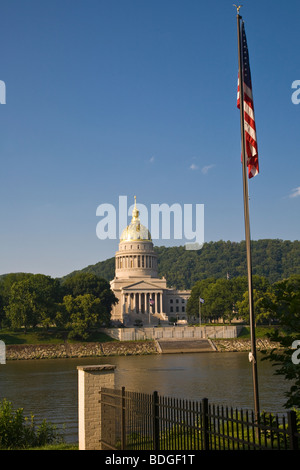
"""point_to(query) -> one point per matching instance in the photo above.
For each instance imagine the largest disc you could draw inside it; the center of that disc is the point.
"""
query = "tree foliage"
(77, 304)
(227, 298)
(272, 259)
(31, 300)
(284, 303)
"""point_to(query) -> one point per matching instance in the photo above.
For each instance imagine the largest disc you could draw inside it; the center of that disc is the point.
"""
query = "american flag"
(249, 119)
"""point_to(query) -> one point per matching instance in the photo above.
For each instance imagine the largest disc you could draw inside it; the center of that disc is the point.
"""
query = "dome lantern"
(135, 231)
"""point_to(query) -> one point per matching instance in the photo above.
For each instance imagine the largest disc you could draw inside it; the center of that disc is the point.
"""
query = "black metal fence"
(139, 421)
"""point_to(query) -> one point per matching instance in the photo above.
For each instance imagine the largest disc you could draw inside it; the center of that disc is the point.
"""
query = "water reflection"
(48, 388)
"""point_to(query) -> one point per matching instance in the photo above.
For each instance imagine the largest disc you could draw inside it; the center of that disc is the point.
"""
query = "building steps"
(175, 346)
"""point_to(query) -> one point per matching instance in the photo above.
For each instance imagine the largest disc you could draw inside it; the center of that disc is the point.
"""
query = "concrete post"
(90, 381)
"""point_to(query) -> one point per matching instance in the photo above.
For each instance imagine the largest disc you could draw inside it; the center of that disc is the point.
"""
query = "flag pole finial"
(237, 8)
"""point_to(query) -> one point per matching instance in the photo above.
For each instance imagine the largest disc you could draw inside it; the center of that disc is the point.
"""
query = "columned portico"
(141, 301)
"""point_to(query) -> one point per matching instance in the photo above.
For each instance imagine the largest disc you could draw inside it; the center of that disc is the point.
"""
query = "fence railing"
(139, 421)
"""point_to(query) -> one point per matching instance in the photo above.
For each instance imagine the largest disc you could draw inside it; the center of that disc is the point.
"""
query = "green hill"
(271, 258)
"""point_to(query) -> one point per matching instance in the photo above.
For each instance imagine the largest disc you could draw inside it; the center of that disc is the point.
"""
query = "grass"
(50, 336)
(56, 447)
(260, 332)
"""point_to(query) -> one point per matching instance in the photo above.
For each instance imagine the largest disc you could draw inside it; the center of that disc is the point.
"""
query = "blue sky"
(109, 98)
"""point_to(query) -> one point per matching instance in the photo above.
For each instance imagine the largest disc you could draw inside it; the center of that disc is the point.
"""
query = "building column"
(134, 302)
(154, 306)
(129, 303)
(155, 302)
(123, 304)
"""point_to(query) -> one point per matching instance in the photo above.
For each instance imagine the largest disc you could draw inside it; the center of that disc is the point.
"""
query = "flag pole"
(252, 356)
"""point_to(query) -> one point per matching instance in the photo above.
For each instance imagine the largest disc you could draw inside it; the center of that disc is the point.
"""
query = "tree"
(200, 289)
(21, 309)
(219, 300)
(48, 295)
(6, 283)
(32, 300)
(84, 312)
(2, 312)
(262, 313)
(285, 305)
(227, 298)
(99, 288)
(84, 283)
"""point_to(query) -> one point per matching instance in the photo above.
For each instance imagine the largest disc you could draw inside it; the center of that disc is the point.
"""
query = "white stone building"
(143, 296)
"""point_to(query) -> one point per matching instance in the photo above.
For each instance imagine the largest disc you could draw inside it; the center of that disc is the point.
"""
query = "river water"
(48, 388)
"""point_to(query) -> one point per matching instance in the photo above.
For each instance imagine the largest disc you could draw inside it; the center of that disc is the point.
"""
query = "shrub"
(20, 432)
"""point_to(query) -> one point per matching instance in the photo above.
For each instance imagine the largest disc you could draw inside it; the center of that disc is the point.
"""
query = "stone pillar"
(154, 298)
(90, 381)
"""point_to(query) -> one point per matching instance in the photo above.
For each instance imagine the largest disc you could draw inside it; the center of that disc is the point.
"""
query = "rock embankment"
(65, 350)
(116, 348)
(242, 345)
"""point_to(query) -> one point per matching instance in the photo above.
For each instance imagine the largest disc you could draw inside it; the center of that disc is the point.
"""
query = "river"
(48, 388)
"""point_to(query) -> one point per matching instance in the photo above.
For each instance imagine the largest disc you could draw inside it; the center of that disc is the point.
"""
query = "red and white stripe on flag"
(249, 118)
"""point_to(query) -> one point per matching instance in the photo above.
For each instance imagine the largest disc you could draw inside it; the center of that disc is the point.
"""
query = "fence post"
(90, 419)
(292, 430)
(155, 421)
(205, 424)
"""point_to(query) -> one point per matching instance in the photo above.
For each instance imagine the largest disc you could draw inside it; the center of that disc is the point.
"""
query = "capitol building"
(143, 298)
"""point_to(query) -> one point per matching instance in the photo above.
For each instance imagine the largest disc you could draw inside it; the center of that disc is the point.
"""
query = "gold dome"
(135, 230)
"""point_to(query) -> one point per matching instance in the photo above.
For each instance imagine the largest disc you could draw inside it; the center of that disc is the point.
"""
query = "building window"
(182, 309)
(177, 309)
(171, 309)
(171, 301)
(177, 301)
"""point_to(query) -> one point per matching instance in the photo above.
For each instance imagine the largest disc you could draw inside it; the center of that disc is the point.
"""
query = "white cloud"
(193, 167)
(295, 192)
(152, 159)
(206, 168)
